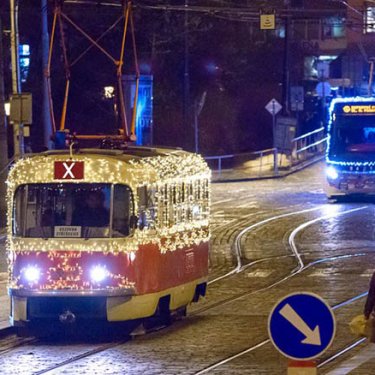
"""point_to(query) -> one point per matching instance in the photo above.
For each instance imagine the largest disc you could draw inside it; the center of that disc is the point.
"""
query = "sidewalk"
(256, 170)
(4, 304)
(4, 298)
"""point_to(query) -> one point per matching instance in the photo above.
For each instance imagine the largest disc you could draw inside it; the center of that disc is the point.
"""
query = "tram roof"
(126, 154)
(131, 165)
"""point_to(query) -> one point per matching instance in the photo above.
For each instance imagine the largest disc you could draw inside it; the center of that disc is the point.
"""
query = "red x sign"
(69, 170)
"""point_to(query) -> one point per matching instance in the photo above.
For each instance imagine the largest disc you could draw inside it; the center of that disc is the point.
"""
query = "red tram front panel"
(144, 271)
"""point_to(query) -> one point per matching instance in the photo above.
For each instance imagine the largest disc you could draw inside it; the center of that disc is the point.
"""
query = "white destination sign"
(67, 231)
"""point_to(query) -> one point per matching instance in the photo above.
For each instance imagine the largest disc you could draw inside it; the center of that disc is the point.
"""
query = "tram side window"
(122, 211)
(146, 206)
(18, 212)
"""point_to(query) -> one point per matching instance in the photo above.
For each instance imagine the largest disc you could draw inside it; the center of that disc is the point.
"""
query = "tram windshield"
(72, 211)
(353, 137)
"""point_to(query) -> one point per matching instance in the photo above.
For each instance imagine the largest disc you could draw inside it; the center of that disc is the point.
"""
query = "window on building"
(24, 61)
(369, 26)
(333, 27)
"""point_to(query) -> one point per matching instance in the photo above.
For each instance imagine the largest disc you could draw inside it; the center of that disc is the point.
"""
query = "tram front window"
(353, 137)
(72, 211)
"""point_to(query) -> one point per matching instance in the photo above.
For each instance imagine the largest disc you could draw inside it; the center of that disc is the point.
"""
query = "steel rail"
(302, 267)
(237, 242)
(69, 361)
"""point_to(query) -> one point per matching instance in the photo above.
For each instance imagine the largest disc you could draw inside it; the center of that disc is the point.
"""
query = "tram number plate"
(69, 170)
(68, 231)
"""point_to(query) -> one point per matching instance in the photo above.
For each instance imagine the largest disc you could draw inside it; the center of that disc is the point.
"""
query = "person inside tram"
(93, 213)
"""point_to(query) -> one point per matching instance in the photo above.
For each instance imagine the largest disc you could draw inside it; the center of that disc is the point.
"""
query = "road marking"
(352, 363)
(312, 336)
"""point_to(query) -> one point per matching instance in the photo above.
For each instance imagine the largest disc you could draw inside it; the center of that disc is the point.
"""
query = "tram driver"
(93, 213)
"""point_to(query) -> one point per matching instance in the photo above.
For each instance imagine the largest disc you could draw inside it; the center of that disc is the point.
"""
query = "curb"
(6, 329)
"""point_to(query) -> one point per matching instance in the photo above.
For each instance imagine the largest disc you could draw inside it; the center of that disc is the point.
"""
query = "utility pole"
(16, 81)
(286, 73)
(46, 114)
(187, 124)
(3, 136)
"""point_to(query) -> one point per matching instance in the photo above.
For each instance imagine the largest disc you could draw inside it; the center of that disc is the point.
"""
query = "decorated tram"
(112, 235)
(350, 157)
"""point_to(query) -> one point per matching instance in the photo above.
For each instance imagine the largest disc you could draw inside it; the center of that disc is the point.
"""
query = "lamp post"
(187, 117)
(3, 139)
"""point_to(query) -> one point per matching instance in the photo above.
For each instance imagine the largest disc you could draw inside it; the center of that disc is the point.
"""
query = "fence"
(269, 163)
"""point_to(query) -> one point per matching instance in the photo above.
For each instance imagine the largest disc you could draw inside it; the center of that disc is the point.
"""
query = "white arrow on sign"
(312, 336)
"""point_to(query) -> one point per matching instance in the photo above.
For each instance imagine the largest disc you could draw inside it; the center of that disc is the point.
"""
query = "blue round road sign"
(302, 326)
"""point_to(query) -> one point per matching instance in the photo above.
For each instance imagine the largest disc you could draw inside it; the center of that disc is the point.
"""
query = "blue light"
(332, 173)
(24, 50)
(211, 67)
(140, 109)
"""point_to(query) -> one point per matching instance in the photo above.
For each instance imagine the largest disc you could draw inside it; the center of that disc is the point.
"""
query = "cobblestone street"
(280, 236)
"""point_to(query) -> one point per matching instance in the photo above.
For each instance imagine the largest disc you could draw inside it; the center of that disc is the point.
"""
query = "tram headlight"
(98, 274)
(32, 274)
(331, 173)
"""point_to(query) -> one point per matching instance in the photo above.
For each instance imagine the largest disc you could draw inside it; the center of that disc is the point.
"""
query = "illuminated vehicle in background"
(107, 235)
(350, 156)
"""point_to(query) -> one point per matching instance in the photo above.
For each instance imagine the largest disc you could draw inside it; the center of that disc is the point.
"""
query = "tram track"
(295, 253)
(238, 269)
(241, 267)
(300, 268)
(80, 357)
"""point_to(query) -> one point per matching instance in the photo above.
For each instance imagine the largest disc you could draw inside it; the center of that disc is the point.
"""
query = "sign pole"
(302, 367)
(275, 153)
(273, 107)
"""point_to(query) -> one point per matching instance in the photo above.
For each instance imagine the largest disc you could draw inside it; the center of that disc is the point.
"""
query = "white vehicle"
(350, 157)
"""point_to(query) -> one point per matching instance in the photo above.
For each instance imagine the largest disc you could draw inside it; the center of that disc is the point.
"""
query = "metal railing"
(308, 145)
(269, 162)
(257, 163)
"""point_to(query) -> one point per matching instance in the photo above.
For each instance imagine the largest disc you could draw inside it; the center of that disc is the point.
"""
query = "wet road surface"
(281, 236)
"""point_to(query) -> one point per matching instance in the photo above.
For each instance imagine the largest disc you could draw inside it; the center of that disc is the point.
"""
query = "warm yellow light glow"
(177, 211)
(109, 92)
(7, 108)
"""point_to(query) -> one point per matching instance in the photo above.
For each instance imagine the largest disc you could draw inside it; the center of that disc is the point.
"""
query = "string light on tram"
(358, 108)
(186, 197)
